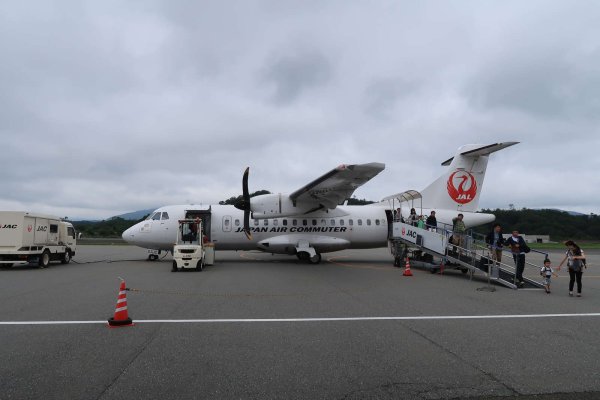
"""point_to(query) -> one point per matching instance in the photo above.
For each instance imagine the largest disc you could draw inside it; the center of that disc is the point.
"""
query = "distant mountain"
(135, 215)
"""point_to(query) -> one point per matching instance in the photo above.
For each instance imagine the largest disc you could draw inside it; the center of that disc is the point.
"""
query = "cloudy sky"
(108, 107)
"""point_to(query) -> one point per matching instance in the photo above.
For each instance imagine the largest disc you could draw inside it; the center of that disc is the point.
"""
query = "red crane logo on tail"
(466, 190)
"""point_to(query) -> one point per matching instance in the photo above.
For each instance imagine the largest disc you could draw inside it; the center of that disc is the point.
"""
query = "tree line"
(560, 225)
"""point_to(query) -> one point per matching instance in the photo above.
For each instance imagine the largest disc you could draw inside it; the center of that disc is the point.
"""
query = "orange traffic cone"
(407, 271)
(121, 317)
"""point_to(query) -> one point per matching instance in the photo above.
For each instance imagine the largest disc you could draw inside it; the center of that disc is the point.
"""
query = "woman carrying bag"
(573, 257)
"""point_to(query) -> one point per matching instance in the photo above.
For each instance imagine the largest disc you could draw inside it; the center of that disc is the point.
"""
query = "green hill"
(560, 225)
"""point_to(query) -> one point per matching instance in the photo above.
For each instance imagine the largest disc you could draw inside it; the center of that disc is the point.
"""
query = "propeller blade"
(246, 203)
(247, 224)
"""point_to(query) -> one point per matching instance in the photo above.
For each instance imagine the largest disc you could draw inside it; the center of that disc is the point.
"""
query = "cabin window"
(255, 222)
(226, 223)
(314, 222)
(369, 222)
(266, 223)
(333, 222)
(323, 222)
(285, 222)
(156, 217)
(350, 222)
(53, 228)
(377, 222)
(275, 222)
(165, 216)
(304, 222)
(237, 222)
(294, 222)
(359, 222)
(341, 222)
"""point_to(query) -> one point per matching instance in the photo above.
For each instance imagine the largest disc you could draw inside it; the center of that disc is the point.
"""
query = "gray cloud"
(295, 71)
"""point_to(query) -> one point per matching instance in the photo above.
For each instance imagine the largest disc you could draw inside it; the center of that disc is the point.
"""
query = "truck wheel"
(66, 257)
(200, 265)
(44, 259)
(174, 269)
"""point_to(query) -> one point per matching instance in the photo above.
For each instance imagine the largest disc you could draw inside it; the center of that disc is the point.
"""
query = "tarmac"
(257, 325)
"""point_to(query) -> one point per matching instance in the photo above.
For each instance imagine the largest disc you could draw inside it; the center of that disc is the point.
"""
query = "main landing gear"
(304, 256)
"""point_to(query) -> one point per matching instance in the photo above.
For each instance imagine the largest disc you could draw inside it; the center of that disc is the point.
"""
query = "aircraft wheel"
(66, 257)
(315, 259)
(44, 260)
(152, 257)
(200, 265)
(302, 256)
(174, 269)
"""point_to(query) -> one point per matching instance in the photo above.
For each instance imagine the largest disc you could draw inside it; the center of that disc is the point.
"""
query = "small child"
(547, 273)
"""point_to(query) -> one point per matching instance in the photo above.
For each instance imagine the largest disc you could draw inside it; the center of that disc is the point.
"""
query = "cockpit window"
(156, 217)
(165, 216)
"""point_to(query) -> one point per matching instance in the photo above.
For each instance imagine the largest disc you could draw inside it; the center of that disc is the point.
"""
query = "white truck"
(188, 251)
(34, 238)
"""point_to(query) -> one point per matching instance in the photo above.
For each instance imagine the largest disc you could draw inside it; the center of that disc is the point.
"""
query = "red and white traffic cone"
(407, 271)
(121, 317)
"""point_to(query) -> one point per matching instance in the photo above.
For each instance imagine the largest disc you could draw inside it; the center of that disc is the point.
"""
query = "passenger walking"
(431, 222)
(546, 272)
(518, 247)
(495, 241)
(573, 256)
(458, 231)
(412, 218)
(421, 222)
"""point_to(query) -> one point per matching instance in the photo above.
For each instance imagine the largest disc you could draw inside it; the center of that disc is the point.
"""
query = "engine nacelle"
(276, 206)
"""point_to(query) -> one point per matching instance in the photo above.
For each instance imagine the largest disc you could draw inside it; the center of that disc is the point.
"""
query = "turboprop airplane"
(313, 220)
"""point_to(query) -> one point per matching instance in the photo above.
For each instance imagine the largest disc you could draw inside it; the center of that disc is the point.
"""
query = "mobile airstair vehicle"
(432, 247)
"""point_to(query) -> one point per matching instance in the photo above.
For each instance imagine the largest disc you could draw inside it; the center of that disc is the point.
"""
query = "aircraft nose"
(128, 235)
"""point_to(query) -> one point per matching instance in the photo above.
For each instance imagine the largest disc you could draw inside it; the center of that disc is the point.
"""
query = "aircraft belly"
(287, 244)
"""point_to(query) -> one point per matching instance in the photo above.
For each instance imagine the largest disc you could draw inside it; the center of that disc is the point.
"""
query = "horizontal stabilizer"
(482, 151)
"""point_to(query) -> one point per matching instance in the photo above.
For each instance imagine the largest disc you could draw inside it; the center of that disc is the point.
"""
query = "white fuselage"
(352, 227)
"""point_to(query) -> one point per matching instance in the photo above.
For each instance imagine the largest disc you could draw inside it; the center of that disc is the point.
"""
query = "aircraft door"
(165, 224)
(227, 223)
(204, 215)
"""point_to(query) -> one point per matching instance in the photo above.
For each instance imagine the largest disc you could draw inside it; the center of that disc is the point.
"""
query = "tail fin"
(460, 187)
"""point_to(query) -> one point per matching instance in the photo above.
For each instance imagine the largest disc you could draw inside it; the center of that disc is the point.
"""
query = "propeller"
(244, 204)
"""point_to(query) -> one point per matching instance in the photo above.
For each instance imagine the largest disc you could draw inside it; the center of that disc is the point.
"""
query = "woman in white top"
(573, 256)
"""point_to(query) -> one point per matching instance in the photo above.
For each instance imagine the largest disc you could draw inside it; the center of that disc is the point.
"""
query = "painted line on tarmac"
(342, 319)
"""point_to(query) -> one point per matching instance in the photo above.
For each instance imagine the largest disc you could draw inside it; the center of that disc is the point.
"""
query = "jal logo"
(8, 226)
(29, 228)
(462, 187)
(42, 228)
(403, 231)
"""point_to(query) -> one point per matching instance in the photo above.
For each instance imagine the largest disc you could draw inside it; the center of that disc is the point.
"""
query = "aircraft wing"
(337, 185)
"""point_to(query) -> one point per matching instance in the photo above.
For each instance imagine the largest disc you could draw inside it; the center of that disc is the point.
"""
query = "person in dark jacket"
(431, 222)
(517, 247)
(495, 241)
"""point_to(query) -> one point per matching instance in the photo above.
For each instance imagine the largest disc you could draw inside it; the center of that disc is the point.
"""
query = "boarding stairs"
(474, 257)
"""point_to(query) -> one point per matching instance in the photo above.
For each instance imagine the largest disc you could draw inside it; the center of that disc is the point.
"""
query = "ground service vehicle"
(188, 251)
(34, 238)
